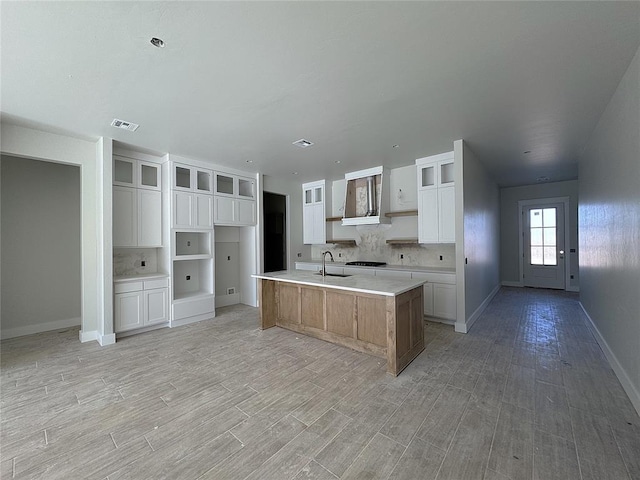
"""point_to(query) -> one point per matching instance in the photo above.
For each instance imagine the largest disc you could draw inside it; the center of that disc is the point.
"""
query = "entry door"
(544, 246)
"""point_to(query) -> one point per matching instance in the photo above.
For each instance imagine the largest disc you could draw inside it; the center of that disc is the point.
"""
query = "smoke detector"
(302, 143)
(132, 127)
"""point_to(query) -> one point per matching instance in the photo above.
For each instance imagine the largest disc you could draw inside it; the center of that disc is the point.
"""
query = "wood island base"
(385, 326)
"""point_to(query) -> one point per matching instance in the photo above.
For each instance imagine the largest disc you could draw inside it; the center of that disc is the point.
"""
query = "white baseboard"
(627, 384)
(226, 300)
(506, 283)
(105, 340)
(128, 333)
(464, 327)
(40, 327)
(194, 319)
(88, 336)
(573, 289)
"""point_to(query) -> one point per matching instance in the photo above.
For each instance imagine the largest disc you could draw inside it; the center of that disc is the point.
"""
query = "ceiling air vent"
(302, 143)
(132, 127)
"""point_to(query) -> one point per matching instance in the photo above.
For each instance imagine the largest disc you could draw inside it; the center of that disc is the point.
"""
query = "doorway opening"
(543, 239)
(275, 232)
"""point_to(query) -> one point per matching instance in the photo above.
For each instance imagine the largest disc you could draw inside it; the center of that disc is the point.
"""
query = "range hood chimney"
(366, 198)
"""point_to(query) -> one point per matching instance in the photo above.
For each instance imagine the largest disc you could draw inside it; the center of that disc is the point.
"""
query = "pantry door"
(544, 248)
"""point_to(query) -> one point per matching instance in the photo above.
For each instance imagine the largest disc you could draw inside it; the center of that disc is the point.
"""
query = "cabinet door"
(246, 212)
(156, 304)
(445, 173)
(427, 176)
(319, 224)
(223, 210)
(182, 177)
(428, 216)
(204, 181)
(149, 176)
(444, 301)
(246, 188)
(129, 311)
(225, 184)
(149, 218)
(446, 215)
(124, 171)
(204, 211)
(125, 220)
(182, 210)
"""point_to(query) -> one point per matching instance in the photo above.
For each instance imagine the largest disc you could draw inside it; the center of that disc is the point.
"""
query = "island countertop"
(390, 287)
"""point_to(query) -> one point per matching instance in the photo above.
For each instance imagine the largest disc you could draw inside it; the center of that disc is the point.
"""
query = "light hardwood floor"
(527, 394)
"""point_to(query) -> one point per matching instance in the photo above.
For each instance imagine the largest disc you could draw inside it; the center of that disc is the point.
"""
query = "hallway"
(527, 394)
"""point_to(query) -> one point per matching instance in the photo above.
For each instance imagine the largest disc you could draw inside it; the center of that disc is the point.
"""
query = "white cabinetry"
(137, 203)
(141, 303)
(436, 199)
(439, 294)
(314, 213)
(234, 203)
(192, 197)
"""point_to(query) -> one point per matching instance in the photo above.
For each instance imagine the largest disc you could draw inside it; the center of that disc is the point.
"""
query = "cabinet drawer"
(160, 283)
(127, 287)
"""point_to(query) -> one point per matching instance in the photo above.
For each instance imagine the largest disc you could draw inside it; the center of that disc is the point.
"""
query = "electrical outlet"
(143, 263)
(188, 243)
(401, 256)
(339, 255)
(571, 277)
(188, 277)
(231, 291)
(299, 255)
(440, 257)
(228, 257)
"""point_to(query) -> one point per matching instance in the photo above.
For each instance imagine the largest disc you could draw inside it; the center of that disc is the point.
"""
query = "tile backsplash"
(128, 261)
(371, 246)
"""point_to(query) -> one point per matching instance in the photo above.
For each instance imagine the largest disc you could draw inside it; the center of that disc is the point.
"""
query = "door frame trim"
(543, 201)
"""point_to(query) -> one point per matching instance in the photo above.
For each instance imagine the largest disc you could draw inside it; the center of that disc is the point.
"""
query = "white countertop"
(389, 287)
(405, 268)
(146, 276)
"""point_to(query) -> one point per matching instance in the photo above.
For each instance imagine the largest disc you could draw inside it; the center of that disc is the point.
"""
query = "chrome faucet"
(324, 261)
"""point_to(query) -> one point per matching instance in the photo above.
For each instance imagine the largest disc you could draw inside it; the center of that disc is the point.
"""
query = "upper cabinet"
(128, 172)
(436, 199)
(192, 179)
(314, 212)
(137, 203)
(234, 200)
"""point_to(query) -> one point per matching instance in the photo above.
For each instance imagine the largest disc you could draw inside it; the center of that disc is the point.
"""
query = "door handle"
(561, 253)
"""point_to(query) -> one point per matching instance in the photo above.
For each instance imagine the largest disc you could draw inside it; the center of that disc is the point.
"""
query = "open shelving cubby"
(192, 278)
(192, 244)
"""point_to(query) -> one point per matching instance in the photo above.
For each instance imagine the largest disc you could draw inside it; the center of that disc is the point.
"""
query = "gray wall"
(609, 229)
(41, 285)
(509, 228)
(481, 233)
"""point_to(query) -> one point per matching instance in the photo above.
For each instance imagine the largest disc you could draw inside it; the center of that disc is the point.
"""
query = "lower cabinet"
(444, 301)
(140, 304)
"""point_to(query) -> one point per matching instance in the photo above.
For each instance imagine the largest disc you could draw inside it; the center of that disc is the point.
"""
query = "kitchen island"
(378, 316)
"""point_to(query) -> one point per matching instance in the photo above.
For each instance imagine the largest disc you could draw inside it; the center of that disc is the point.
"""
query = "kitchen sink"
(333, 274)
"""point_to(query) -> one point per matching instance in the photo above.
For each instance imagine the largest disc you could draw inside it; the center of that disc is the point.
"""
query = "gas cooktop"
(366, 264)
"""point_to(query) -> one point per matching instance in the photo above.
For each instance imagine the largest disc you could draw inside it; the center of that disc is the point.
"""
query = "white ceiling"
(240, 81)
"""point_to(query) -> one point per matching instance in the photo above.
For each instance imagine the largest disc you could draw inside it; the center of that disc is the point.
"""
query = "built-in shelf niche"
(402, 213)
(402, 241)
(192, 243)
(192, 278)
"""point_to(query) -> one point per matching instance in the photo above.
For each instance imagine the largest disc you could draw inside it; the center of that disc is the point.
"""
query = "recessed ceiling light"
(337, 161)
(157, 42)
(294, 173)
(527, 151)
(395, 146)
(132, 127)
(543, 179)
(249, 161)
(302, 143)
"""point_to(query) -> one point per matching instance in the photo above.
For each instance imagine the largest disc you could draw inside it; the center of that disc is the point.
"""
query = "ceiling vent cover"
(302, 143)
(132, 127)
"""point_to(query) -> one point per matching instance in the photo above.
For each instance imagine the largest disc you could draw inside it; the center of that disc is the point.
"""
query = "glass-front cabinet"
(128, 172)
(192, 179)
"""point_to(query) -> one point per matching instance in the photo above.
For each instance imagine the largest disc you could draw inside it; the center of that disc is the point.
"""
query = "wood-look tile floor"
(527, 394)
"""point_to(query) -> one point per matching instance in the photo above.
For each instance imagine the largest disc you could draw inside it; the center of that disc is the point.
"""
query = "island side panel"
(268, 306)
(372, 320)
(288, 303)
(341, 313)
(312, 308)
(408, 329)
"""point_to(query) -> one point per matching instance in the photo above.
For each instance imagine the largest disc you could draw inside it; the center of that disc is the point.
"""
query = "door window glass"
(542, 225)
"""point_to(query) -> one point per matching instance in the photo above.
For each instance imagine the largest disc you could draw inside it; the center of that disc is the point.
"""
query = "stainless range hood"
(366, 197)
